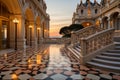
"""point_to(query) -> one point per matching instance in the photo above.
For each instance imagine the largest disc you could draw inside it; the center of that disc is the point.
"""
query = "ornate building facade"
(23, 22)
(105, 15)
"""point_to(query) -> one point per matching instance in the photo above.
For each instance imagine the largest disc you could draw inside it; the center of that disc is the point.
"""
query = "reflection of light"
(5, 33)
(5, 55)
(29, 61)
(29, 66)
(14, 76)
(38, 59)
(45, 30)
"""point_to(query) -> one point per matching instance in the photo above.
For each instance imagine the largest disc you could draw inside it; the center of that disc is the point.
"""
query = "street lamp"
(30, 27)
(38, 29)
(15, 22)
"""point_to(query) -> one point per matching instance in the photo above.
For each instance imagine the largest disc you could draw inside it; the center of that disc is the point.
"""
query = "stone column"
(0, 33)
(108, 26)
(101, 23)
(34, 33)
(20, 32)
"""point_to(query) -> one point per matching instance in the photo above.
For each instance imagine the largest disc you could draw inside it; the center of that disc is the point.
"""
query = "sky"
(61, 13)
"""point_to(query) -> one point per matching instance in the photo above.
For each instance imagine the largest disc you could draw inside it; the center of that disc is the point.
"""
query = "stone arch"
(97, 23)
(114, 20)
(6, 22)
(29, 21)
(105, 22)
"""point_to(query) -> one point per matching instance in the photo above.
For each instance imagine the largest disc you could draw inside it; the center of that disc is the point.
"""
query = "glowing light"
(98, 23)
(45, 30)
(38, 59)
(38, 28)
(15, 20)
(14, 77)
(5, 55)
(29, 61)
(29, 66)
(30, 26)
(88, 24)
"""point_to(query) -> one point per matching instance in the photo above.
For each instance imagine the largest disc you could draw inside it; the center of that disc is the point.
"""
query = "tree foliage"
(66, 30)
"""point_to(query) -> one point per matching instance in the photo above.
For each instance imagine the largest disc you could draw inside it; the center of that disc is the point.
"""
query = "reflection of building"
(28, 13)
(106, 14)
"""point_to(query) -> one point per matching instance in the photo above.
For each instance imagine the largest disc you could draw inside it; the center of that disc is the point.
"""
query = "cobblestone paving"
(53, 63)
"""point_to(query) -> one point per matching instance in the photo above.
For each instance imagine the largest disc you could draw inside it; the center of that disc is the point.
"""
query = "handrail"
(76, 36)
(96, 41)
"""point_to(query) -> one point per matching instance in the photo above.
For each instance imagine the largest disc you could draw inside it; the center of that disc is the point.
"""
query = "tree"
(75, 27)
(66, 30)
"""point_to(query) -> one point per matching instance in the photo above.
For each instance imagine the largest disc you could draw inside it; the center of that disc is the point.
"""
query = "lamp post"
(30, 27)
(38, 29)
(15, 22)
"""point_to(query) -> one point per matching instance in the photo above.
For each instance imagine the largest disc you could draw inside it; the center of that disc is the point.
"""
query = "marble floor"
(48, 62)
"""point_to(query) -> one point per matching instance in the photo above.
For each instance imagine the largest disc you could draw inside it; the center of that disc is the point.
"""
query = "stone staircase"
(108, 60)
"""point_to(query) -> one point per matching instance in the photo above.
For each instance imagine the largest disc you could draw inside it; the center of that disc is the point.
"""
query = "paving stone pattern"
(52, 65)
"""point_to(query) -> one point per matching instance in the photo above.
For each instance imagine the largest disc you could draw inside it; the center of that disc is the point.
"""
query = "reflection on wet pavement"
(50, 62)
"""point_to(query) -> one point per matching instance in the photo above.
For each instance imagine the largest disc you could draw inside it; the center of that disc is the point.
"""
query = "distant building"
(105, 14)
(31, 19)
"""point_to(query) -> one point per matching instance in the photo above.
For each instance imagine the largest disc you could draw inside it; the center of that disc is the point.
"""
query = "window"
(96, 11)
(81, 11)
(89, 12)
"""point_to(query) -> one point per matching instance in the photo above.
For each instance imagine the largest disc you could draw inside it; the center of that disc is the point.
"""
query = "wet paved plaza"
(48, 62)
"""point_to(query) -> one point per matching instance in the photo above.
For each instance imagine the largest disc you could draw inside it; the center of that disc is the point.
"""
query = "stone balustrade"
(76, 36)
(92, 40)
(96, 41)
(57, 40)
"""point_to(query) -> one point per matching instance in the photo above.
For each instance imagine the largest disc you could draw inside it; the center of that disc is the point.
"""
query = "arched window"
(89, 12)
(96, 11)
(82, 11)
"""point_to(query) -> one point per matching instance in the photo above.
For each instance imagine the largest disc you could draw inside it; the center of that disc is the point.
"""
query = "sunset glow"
(61, 12)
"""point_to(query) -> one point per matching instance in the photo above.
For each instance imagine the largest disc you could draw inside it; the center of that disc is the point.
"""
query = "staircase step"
(77, 49)
(117, 39)
(111, 58)
(111, 54)
(107, 62)
(117, 47)
(113, 51)
(104, 66)
(75, 53)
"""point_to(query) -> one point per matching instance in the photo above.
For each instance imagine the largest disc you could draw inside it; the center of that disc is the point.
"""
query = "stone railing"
(57, 40)
(95, 42)
(117, 33)
(76, 36)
